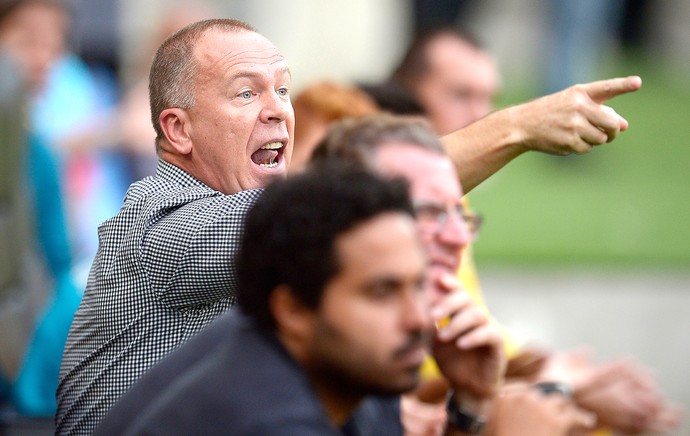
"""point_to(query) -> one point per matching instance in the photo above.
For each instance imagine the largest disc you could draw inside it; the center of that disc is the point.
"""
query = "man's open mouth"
(268, 155)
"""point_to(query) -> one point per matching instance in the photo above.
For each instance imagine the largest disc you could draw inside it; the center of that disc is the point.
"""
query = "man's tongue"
(264, 157)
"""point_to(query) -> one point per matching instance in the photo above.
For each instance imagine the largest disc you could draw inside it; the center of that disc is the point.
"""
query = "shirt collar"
(168, 171)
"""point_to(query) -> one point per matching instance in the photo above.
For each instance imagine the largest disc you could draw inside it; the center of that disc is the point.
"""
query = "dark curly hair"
(290, 232)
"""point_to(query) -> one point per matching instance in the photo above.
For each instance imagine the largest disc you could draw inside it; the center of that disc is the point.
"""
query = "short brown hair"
(415, 63)
(174, 67)
(357, 139)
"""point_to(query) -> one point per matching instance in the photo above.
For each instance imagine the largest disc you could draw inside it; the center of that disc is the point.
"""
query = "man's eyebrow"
(385, 282)
(285, 70)
(253, 74)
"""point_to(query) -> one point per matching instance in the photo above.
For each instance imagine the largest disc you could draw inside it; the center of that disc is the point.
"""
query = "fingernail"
(436, 313)
(441, 323)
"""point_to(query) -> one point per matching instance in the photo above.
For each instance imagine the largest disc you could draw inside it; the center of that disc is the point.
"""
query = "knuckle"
(583, 149)
(580, 102)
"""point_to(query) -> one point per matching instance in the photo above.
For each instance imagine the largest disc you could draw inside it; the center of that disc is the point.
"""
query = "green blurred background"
(625, 204)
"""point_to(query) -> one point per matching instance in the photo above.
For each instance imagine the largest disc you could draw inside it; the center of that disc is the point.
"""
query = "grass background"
(625, 204)
(595, 249)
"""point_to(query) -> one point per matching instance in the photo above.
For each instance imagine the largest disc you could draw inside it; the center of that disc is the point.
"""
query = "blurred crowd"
(76, 138)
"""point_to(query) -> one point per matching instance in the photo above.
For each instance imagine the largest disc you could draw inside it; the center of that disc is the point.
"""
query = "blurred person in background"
(579, 35)
(319, 105)
(135, 134)
(38, 289)
(455, 81)
(68, 108)
(408, 148)
(450, 75)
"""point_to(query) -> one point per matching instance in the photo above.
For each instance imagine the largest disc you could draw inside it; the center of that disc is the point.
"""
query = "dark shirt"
(376, 416)
(231, 379)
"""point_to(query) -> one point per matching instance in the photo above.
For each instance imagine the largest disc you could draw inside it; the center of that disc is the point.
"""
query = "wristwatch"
(561, 388)
(463, 420)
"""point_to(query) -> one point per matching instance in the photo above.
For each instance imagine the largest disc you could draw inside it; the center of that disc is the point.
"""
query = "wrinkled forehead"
(231, 48)
(457, 59)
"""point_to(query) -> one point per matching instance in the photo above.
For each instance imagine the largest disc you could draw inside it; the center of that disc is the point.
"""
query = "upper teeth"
(272, 146)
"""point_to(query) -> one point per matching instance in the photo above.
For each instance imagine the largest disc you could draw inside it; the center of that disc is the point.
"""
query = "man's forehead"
(425, 170)
(373, 238)
(401, 158)
(461, 62)
(238, 47)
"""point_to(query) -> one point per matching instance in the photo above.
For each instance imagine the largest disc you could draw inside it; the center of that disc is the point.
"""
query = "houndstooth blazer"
(164, 270)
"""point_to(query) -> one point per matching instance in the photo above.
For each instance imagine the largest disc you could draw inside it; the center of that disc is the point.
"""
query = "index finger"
(603, 90)
(449, 282)
(451, 304)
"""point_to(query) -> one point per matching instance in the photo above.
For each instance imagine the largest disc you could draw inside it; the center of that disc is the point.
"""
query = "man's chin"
(403, 387)
(262, 177)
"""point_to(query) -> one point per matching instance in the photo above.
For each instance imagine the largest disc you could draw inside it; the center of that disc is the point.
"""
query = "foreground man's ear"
(177, 128)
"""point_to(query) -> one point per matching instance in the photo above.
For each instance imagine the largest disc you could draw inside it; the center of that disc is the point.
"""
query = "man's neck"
(339, 405)
(338, 402)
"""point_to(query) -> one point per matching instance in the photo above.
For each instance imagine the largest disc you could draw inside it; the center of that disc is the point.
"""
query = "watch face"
(548, 388)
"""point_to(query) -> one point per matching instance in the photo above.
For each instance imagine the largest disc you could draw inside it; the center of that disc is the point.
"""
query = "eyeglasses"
(435, 214)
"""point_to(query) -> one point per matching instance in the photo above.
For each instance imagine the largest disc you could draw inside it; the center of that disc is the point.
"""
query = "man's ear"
(294, 321)
(176, 127)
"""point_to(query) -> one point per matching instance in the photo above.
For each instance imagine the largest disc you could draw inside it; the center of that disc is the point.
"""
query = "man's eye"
(283, 92)
(421, 284)
(428, 211)
(246, 95)
(462, 94)
(382, 290)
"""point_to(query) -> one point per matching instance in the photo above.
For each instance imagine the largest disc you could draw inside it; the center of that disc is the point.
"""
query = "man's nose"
(455, 232)
(417, 313)
(276, 108)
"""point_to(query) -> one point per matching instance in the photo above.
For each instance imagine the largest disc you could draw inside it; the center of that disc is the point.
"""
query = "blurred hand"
(623, 395)
(468, 348)
(521, 410)
(422, 418)
(625, 398)
(527, 364)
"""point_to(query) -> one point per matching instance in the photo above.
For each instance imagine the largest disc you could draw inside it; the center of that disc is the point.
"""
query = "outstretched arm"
(570, 121)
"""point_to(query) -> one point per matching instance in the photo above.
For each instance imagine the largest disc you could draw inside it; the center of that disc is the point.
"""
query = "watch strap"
(463, 420)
